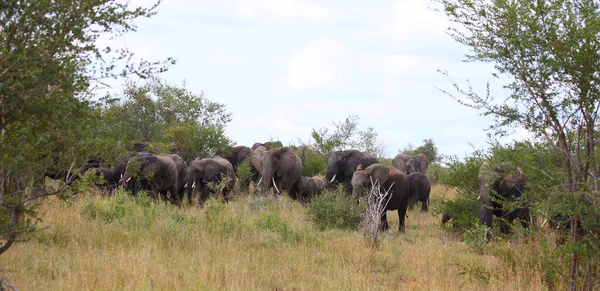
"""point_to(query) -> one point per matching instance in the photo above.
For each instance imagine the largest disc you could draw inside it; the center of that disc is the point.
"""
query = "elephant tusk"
(194, 184)
(544, 223)
(332, 178)
(259, 180)
(185, 186)
(128, 180)
(479, 197)
(275, 184)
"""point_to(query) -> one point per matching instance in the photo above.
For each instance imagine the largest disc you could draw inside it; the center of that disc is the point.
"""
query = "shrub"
(464, 177)
(272, 222)
(244, 172)
(335, 209)
(314, 164)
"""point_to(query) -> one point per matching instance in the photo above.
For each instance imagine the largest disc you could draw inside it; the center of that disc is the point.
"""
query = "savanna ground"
(127, 243)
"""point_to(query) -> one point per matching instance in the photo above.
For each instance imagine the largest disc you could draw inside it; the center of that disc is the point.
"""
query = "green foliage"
(428, 148)
(50, 60)
(272, 222)
(476, 237)
(315, 163)
(334, 209)
(347, 135)
(170, 115)
(219, 223)
(244, 172)
(134, 213)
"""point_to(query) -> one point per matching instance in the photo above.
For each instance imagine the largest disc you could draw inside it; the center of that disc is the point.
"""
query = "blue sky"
(283, 67)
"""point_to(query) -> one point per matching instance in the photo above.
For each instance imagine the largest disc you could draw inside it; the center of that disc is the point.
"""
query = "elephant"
(307, 187)
(209, 170)
(505, 182)
(182, 169)
(111, 175)
(155, 173)
(256, 159)
(281, 167)
(389, 178)
(410, 164)
(342, 164)
(237, 155)
(419, 190)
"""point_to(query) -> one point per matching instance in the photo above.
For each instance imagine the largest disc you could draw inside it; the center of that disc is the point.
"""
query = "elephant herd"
(280, 169)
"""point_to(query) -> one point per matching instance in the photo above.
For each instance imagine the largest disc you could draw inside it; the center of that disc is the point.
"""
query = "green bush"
(314, 164)
(272, 222)
(464, 177)
(244, 172)
(219, 223)
(335, 209)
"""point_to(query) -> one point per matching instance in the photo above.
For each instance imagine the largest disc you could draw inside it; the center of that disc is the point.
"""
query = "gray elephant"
(111, 176)
(237, 155)
(390, 178)
(307, 187)
(280, 168)
(207, 170)
(256, 159)
(154, 173)
(182, 169)
(419, 190)
(342, 164)
(504, 182)
(411, 164)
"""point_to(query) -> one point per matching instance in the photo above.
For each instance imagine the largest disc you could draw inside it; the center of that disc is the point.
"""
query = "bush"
(335, 209)
(464, 177)
(273, 223)
(314, 164)
(244, 172)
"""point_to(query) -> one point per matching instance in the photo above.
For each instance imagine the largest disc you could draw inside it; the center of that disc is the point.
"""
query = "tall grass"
(132, 243)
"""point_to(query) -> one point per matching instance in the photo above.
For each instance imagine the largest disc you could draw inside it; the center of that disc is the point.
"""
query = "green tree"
(548, 49)
(428, 148)
(168, 115)
(347, 135)
(49, 59)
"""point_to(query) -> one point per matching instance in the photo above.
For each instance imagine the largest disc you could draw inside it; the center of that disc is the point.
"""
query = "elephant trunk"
(191, 184)
(485, 206)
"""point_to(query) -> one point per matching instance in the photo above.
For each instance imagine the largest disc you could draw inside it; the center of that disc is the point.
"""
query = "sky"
(283, 67)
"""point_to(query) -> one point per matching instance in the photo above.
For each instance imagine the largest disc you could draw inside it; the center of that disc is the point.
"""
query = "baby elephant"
(307, 187)
(419, 190)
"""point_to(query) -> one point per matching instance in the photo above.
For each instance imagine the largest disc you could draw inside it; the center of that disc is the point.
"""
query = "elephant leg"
(425, 205)
(411, 203)
(401, 219)
(204, 192)
(485, 215)
(384, 226)
(525, 217)
(505, 222)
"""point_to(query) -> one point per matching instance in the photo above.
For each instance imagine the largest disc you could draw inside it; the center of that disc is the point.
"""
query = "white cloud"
(278, 10)
(315, 107)
(225, 59)
(316, 65)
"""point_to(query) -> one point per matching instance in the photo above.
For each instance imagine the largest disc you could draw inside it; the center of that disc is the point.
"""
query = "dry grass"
(248, 244)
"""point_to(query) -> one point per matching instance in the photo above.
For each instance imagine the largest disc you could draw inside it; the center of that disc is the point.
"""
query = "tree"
(428, 148)
(549, 51)
(49, 59)
(170, 115)
(346, 135)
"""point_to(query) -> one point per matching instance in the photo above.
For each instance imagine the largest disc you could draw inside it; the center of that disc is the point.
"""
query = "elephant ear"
(399, 162)
(379, 173)
(359, 167)
(423, 162)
